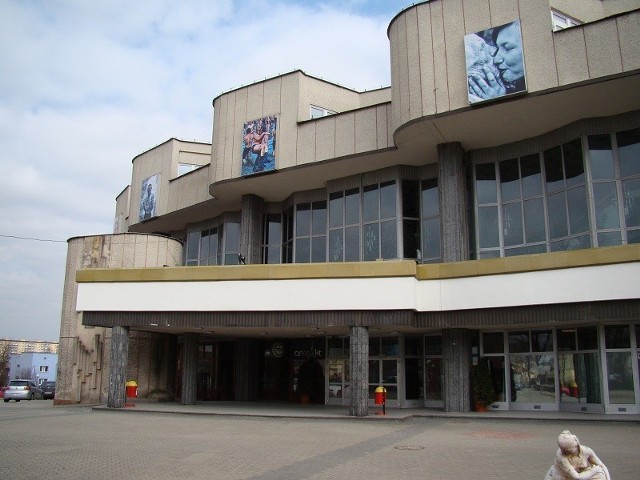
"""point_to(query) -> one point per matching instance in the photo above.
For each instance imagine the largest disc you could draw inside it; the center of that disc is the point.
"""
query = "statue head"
(568, 443)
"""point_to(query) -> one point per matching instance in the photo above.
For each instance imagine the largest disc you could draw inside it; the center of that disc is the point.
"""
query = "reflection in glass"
(533, 378)
(578, 211)
(496, 364)
(433, 378)
(534, 228)
(531, 175)
(629, 152)
(557, 213)
(617, 336)
(509, 179)
(389, 239)
(601, 157)
(371, 242)
(486, 183)
(620, 378)
(488, 232)
(573, 164)
(579, 378)
(492, 342)
(605, 197)
(631, 195)
(512, 224)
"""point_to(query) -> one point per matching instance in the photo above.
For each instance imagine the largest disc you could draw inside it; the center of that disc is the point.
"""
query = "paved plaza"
(43, 441)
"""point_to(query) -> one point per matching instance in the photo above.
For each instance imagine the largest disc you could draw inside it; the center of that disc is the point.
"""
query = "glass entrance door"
(620, 364)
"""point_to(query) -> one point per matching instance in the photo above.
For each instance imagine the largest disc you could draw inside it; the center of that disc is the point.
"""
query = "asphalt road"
(42, 441)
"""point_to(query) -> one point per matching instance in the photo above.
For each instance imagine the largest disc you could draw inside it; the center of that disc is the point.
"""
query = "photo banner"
(259, 145)
(495, 63)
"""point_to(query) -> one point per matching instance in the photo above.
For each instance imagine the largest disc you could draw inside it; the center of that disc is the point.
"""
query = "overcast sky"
(87, 86)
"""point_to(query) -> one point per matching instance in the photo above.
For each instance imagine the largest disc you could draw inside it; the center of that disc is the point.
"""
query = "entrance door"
(620, 364)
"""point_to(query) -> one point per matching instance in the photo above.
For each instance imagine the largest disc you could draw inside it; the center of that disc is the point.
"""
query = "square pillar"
(118, 370)
(359, 363)
(456, 349)
(189, 369)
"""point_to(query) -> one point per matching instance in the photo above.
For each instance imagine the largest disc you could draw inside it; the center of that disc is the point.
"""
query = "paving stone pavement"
(43, 441)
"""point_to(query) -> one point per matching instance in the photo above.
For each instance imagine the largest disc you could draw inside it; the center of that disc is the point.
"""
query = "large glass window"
(272, 244)
(579, 365)
(216, 245)
(379, 213)
(532, 366)
(344, 226)
(430, 220)
(311, 228)
(566, 197)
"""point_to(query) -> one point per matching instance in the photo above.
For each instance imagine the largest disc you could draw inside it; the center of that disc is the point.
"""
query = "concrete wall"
(299, 140)
(84, 351)
(428, 70)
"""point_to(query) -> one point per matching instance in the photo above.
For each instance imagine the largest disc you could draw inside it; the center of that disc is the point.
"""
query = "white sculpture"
(575, 461)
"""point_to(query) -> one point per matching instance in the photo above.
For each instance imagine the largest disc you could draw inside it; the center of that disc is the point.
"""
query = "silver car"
(22, 389)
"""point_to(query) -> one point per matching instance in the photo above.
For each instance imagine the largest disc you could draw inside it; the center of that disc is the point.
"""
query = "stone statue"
(575, 461)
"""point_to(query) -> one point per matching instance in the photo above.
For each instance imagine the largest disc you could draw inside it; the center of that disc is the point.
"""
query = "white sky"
(87, 86)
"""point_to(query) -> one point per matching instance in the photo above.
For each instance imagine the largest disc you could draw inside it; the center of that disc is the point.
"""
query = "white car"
(22, 389)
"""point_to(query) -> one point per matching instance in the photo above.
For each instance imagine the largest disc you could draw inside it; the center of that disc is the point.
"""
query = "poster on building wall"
(495, 62)
(148, 195)
(259, 145)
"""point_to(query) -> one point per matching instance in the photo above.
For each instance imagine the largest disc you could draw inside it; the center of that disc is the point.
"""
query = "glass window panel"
(566, 339)
(519, 342)
(410, 199)
(388, 200)
(554, 175)
(413, 378)
(587, 338)
(557, 214)
(492, 342)
(213, 247)
(413, 345)
(578, 210)
(533, 378)
(389, 371)
(541, 341)
(431, 238)
(488, 227)
(410, 238)
(629, 152)
(433, 345)
(371, 198)
(389, 239)
(374, 347)
(371, 242)
(489, 254)
(601, 157)
(204, 247)
(193, 243)
(319, 218)
(303, 219)
(318, 249)
(609, 239)
(352, 207)
(605, 198)
(231, 259)
(531, 175)
(274, 229)
(534, 221)
(573, 163)
(617, 336)
(620, 378)
(486, 183)
(336, 209)
(390, 346)
(579, 378)
(273, 255)
(526, 250)
(633, 236)
(352, 244)
(509, 179)
(335, 348)
(430, 201)
(512, 223)
(374, 371)
(303, 248)
(631, 194)
(335, 246)
(496, 364)
(232, 237)
(433, 378)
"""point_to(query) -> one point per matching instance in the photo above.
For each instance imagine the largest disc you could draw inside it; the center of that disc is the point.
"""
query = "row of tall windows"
(583, 193)
(358, 224)
(211, 247)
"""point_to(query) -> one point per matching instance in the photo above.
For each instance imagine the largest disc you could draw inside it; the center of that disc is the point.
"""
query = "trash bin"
(381, 395)
(131, 389)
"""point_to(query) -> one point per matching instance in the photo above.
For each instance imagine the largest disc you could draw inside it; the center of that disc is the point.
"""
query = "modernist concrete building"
(328, 241)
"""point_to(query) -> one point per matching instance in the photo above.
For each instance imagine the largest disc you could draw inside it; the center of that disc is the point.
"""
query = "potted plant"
(482, 385)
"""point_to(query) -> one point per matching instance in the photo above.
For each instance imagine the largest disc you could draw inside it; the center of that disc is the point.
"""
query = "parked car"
(22, 389)
(48, 389)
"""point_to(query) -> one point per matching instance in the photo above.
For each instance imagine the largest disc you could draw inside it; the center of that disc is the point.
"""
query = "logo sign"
(277, 350)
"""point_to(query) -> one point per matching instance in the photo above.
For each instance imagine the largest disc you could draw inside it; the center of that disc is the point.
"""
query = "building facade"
(37, 366)
(328, 241)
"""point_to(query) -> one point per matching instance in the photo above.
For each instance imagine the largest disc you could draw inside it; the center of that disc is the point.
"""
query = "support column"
(359, 358)
(251, 228)
(456, 349)
(189, 369)
(453, 203)
(118, 368)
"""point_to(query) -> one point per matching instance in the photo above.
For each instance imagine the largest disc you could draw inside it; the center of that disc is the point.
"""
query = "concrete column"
(189, 369)
(117, 374)
(251, 220)
(456, 349)
(359, 358)
(453, 203)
